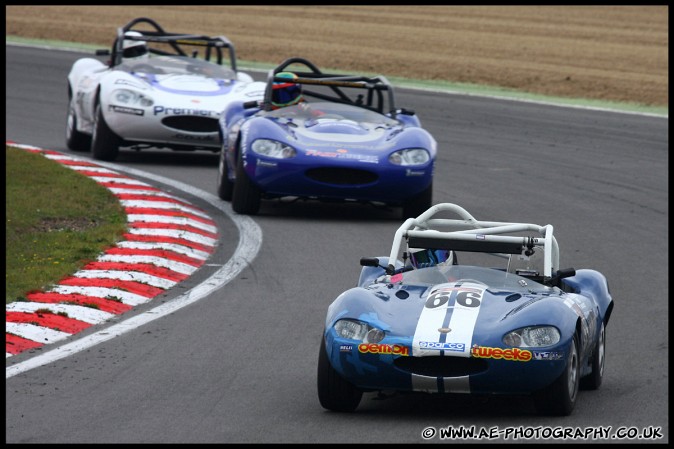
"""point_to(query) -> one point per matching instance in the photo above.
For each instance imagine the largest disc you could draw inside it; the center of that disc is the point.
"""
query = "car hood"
(452, 315)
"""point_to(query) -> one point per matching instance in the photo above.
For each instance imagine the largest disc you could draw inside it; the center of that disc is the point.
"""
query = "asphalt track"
(238, 365)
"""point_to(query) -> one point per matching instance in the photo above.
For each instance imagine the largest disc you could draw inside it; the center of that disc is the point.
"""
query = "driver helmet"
(424, 258)
(285, 93)
(134, 50)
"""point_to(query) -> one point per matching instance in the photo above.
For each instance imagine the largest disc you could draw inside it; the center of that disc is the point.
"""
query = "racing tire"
(225, 186)
(334, 393)
(415, 206)
(593, 380)
(104, 142)
(246, 196)
(559, 398)
(75, 140)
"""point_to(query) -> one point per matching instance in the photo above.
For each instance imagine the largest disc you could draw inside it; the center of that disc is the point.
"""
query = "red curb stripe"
(180, 227)
(167, 213)
(156, 253)
(130, 286)
(117, 185)
(70, 162)
(102, 304)
(165, 239)
(50, 320)
(160, 199)
(99, 174)
(146, 268)
(16, 345)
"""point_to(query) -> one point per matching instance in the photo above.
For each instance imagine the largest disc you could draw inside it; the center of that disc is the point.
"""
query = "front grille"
(341, 176)
(191, 123)
(438, 366)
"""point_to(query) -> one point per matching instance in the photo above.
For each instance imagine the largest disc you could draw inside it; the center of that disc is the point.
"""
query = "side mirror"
(369, 262)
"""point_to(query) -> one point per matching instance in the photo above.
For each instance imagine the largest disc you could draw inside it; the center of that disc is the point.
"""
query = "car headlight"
(131, 98)
(273, 148)
(357, 330)
(411, 156)
(532, 337)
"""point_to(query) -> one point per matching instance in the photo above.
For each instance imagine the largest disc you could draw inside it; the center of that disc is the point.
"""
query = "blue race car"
(324, 137)
(425, 322)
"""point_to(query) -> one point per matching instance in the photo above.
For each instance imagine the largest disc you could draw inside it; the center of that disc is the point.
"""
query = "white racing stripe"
(129, 298)
(185, 221)
(157, 204)
(176, 233)
(180, 249)
(135, 276)
(453, 306)
(182, 268)
(82, 313)
(128, 181)
(35, 333)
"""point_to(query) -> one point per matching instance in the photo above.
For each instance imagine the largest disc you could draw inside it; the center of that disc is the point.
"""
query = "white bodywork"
(171, 101)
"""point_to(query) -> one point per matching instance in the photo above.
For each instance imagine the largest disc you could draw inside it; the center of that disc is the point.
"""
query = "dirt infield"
(613, 53)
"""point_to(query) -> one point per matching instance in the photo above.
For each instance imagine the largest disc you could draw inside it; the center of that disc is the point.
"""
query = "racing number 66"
(466, 298)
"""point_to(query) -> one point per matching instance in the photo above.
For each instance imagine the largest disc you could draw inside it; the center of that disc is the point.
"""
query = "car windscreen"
(323, 110)
(492, 277)
(177, 65)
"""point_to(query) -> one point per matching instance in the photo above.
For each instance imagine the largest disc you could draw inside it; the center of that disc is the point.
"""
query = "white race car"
(156, 90)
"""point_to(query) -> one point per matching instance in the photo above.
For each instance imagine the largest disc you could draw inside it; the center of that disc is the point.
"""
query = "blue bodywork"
(340, 138)
(348, 153)
(482, 362)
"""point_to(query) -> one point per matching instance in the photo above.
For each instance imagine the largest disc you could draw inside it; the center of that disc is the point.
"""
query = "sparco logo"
(161, 110)
(460, 347)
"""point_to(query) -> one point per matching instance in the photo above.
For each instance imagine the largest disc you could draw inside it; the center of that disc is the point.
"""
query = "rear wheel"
(593, 380)
(559, 398)
(413, 207)
(246, 196)
(334, 393)
(104, 142)
(75, 140)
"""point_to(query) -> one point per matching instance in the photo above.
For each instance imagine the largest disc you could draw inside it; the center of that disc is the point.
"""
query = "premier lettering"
(374, 348)
(161, 110)
(514, 354)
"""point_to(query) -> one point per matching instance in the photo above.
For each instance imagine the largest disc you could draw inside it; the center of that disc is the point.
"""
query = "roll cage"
(216, 49)
(373, 93)
(469, 234)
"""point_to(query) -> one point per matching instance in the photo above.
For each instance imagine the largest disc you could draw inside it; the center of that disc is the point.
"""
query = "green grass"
(57, 220)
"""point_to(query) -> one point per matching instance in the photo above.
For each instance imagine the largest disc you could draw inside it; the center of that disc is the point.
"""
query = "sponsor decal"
(374, 348)
(125, 110)
(512, 354)
(439, 346)
(547, 355)
(161, 110)
(343, 154)
(345, 348)
(410, 172)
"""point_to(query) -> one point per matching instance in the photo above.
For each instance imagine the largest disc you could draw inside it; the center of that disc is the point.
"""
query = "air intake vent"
(342, 176)
(441, 366)
(191, 123)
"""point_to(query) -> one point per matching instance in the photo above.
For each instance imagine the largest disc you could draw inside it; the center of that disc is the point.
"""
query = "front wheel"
(593, 380)
(104, 142)
(75, 140)
(225, 186)
(559, 398)
(334, 393)
(246, 196)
